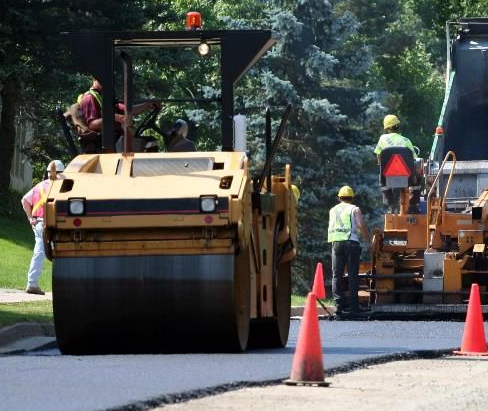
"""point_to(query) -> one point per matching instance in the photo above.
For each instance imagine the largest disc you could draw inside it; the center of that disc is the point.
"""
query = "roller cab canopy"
(239, 51)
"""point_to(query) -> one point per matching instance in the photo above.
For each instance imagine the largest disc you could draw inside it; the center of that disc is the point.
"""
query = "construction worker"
(296, 192)
(33, 205)
(392, 137)
(345, 219)
(176, 140)
(91, 104)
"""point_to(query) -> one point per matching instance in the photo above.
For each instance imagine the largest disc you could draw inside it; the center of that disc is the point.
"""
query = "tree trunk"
(9, 95)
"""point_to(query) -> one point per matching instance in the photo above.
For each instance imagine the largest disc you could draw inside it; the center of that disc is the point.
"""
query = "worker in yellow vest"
(345, 220)
(33, 204)
(390, 138)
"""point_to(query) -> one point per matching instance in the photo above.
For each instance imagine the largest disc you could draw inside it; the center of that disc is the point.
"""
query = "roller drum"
(131, 304)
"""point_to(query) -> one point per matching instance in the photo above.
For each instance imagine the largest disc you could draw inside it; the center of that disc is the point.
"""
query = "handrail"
(443, 198)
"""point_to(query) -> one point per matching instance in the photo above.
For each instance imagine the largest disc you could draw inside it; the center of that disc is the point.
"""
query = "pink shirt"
(92, 111)
(34, 196)
(90, 108)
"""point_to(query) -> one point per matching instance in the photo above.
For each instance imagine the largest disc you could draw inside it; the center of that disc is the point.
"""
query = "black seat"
(73, 148)
(79, 137)
(407, 157)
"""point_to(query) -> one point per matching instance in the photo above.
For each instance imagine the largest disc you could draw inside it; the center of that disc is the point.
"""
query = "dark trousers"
(391, 198)
(345, 253)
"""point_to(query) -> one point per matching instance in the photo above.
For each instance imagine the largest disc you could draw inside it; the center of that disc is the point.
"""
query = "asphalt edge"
(323, 311)
(220, 389)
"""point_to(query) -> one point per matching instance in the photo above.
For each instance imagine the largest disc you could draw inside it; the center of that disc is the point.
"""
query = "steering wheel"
(149, 123)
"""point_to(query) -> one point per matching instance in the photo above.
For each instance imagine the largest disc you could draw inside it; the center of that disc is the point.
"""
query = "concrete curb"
(21, 337)
(25, 330)
(297, 311)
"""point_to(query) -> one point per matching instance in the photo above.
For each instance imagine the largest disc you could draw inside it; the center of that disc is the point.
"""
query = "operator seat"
(75, 129)
(73, 147)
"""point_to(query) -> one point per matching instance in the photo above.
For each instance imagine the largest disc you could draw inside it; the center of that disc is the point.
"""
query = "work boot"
(342, 315)
(34, 290)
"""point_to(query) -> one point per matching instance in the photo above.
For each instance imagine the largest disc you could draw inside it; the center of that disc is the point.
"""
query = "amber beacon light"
(193, 20)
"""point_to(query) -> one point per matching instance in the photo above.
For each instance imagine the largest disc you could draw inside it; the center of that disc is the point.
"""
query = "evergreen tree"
(317, 66)
(36, 70)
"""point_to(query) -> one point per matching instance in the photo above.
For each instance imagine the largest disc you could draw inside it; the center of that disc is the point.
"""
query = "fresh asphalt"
(48, 381)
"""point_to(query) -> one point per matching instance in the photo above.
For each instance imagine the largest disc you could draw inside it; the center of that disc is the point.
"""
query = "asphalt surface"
(47, 381)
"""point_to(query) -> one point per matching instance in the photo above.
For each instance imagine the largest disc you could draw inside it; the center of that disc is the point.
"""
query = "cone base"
(307, 383)
(473, 354)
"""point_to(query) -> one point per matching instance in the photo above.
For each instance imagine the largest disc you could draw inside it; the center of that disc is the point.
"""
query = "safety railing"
(431, 228)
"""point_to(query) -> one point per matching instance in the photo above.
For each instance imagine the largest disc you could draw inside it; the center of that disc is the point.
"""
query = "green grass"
(16, 245)
(37, 311)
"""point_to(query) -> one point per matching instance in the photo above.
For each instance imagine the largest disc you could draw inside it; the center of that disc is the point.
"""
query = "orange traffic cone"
(318, 283)
(474, 341)
(307, 368)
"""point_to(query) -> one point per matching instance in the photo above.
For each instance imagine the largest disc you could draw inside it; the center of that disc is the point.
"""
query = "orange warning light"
(439, 130)
(193, 20)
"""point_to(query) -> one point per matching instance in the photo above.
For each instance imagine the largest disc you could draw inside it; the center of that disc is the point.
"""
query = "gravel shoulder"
(449, 383)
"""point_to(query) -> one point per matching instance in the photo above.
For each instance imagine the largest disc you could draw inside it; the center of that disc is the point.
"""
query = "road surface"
(47, 381)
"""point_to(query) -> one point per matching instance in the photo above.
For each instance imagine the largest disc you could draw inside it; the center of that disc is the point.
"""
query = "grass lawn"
(37, 311)
(16, 245)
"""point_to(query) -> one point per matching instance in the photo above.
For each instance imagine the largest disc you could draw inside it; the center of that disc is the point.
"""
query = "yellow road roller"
(171, 251)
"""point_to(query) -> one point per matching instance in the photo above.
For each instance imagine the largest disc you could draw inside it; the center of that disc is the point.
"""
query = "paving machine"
(425, 263)
(171, 252)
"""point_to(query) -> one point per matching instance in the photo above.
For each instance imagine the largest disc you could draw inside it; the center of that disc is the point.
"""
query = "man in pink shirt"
(91, 106)
(33, 204)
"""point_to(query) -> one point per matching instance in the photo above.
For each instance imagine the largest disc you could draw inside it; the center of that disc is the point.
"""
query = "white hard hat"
(58, 164)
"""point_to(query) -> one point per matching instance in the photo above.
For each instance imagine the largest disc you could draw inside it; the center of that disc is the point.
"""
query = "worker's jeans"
(38, 256)
(345, 253)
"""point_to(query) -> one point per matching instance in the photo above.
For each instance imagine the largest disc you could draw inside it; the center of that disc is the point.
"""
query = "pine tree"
(319, 65)
(316, 66)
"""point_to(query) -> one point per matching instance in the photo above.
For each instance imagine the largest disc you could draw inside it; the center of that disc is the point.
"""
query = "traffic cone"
(318, 283)
(307, 368)
(474, 340)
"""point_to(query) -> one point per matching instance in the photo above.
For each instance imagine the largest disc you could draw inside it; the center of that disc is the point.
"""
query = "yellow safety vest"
(41, 201)
(340, 222)
(394, 139)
